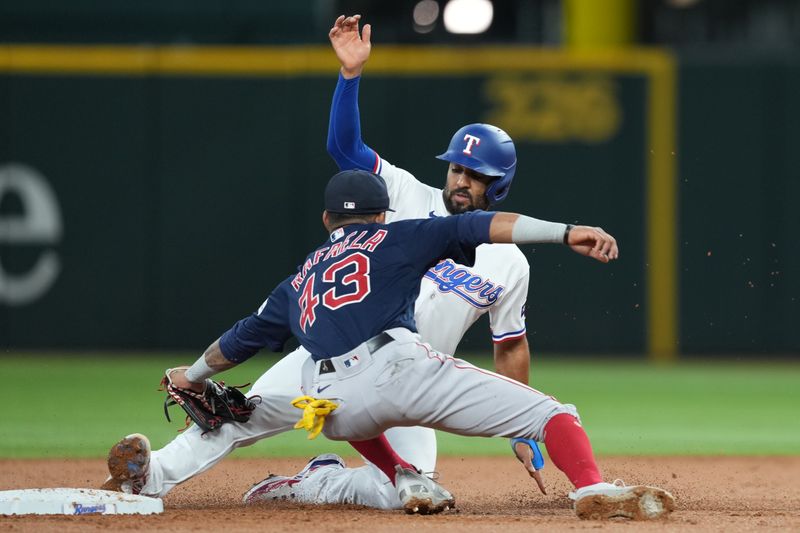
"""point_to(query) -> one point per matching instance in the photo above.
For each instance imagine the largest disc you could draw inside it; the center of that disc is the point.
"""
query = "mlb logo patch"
(338, 234)
(351, 362)
(349, 205)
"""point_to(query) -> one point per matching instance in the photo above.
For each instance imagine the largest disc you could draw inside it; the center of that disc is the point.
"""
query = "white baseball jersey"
(452, 296)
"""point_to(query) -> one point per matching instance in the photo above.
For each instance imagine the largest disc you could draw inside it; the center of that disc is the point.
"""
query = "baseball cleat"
(614, 500)
(272, 488)
(285, 488)
(419, 494)
(128, 464)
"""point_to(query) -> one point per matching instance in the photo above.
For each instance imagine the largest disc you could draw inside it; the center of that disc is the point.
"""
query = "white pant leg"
(191, 452)
(409, 384)
(452, 395)
(367, 485)
(417, 445)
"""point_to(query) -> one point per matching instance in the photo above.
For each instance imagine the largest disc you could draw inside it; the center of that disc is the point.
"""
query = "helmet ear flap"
(497, 191)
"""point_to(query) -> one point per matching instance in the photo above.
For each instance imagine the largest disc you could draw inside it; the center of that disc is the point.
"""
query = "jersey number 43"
(350, 280)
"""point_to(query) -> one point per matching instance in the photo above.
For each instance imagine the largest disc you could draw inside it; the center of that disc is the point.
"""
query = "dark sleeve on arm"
(454, 237)
(473, 227)
(266, 328)
(344, 129)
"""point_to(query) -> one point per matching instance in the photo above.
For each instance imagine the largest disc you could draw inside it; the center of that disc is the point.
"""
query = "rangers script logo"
(476, 291)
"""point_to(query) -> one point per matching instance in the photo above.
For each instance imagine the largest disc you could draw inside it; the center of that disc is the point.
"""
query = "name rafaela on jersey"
(476, 291)
(353, 241)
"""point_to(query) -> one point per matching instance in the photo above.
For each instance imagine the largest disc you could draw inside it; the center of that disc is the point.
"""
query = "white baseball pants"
(407, 383)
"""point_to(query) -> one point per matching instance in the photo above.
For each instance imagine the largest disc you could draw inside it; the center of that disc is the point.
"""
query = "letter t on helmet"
(486, 149)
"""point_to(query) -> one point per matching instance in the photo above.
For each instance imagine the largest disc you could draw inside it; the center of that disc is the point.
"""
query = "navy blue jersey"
(362, 282)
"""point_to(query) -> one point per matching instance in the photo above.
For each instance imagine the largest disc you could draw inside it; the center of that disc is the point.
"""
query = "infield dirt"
(492, 494)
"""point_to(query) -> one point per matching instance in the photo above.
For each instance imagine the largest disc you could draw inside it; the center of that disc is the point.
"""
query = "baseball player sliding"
(481, 170)
(351, 306)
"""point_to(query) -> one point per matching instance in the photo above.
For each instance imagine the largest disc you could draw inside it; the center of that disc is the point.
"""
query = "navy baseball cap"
(356, 192)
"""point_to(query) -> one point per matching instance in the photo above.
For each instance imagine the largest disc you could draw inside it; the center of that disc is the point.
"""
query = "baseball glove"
(216, 405)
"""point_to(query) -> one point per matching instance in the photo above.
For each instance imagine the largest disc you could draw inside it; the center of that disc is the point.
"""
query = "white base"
(76, 502)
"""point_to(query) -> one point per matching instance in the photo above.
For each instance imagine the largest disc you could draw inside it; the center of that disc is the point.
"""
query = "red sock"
(380, 453)
(570, 450)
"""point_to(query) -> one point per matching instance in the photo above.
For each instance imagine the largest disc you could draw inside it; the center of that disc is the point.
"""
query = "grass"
(70, 405)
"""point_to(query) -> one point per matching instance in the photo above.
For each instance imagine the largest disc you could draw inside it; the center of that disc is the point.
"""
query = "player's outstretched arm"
(351, 48)
(344, 142)
(585, 240)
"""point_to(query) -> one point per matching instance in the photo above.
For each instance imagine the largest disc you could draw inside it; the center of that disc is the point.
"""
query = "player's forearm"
(215, 359)
(212, 362)
(521, 229)
(344, 143)
(512, 359)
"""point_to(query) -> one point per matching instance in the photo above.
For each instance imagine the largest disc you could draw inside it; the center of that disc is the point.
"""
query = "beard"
(455, 208)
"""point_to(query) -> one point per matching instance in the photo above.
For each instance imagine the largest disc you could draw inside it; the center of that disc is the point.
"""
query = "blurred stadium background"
(162, 166)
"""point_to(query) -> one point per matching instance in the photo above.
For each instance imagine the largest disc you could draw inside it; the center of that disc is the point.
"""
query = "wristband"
(566, 233)
(199, 371)
(527, 230)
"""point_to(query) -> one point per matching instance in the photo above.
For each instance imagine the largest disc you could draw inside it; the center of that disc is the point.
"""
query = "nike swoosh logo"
(320, 389)
(432, 215)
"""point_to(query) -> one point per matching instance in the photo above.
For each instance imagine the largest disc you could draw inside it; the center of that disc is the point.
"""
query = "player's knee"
(568, 408)
(558, 409)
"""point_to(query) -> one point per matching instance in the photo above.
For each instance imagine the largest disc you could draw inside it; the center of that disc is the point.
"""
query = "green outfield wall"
(149, 197)
(739, 189)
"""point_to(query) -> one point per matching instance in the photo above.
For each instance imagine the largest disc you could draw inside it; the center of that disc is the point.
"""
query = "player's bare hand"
(525, 455)
(351, 48)
(178, 377)
(594, 243)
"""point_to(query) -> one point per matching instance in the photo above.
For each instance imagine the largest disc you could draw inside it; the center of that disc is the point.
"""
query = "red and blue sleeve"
(345, 145)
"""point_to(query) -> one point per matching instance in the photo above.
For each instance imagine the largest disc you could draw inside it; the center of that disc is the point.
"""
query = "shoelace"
(314, 413)
(434, 475)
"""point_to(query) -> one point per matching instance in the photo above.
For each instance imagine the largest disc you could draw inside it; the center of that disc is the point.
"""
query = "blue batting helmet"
(486, 149)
